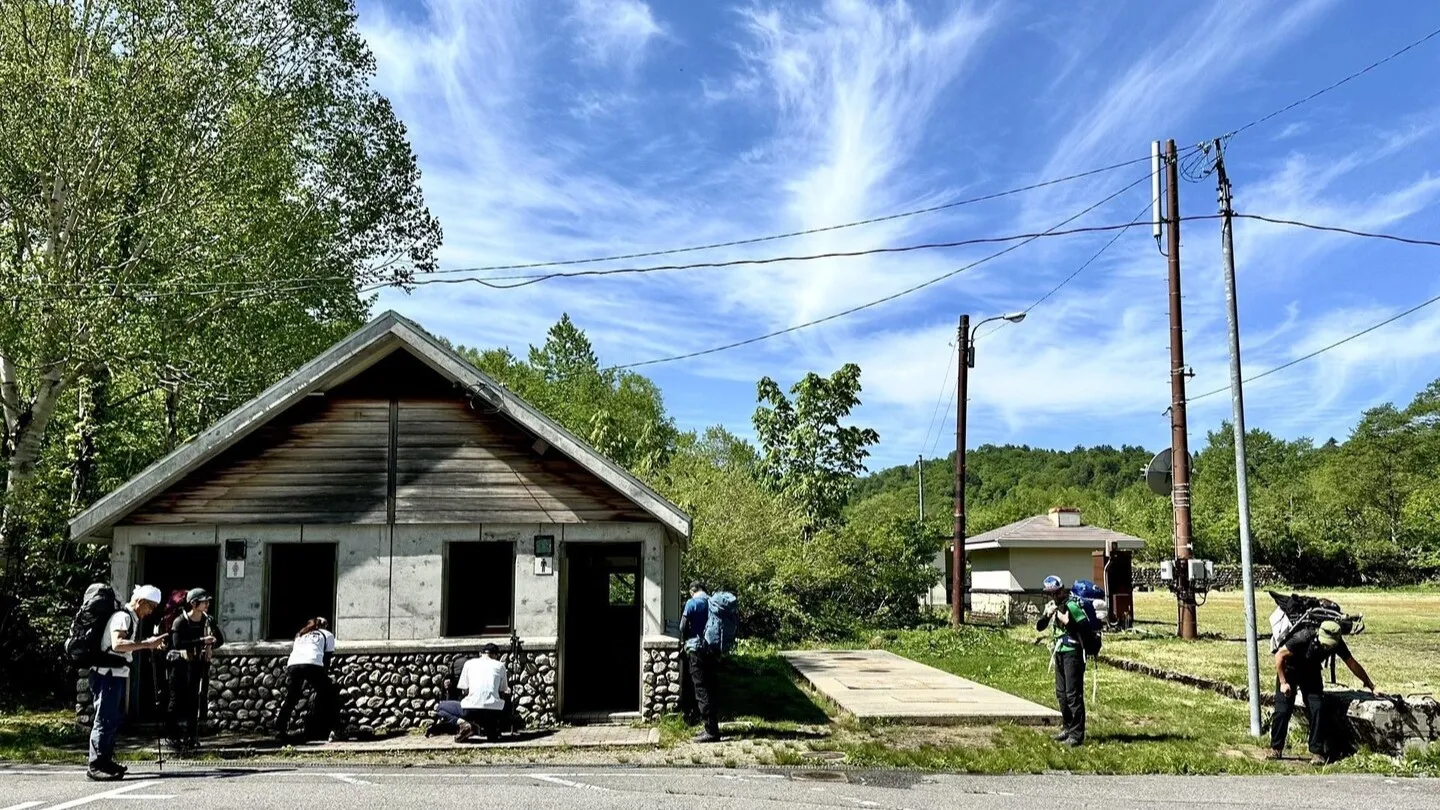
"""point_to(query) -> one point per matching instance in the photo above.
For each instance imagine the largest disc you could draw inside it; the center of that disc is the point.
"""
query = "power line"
(1357, 74)
(1336, 229)
(1317, 352)
(949, 400)
(852, 310)
(944, 385)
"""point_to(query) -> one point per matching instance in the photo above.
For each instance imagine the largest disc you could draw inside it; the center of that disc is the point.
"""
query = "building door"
(169, 568)
(600, 646)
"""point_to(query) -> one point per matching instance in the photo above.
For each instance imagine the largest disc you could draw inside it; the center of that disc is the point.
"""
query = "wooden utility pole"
(957, 574)
(1179, 438)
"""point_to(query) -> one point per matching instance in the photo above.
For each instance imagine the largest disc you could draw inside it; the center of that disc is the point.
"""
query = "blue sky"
(560, 130)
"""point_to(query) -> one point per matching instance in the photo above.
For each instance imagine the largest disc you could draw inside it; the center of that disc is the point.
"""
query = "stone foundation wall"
(662, 682)
(1009, 608)
(379, 692)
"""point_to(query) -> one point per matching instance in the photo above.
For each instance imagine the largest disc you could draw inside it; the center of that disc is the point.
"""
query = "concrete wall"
(990, 571)
(390, 580)
(1030, 566)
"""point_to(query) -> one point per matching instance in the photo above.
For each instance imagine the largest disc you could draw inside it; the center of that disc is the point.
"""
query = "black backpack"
(87, 630)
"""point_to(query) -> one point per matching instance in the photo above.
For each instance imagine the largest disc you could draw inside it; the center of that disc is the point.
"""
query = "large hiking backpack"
(1092, 601)
(87, 630)
(1294, 613)
(721, 625)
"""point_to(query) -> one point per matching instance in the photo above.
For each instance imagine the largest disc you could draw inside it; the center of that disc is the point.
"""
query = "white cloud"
(614, 32)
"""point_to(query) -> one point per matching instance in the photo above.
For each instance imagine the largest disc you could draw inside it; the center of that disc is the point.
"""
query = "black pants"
(324, 714)
(1313, 691)
(689, 709)
(1070, 692)
(182, 715)
(490, 722)
(702, 666)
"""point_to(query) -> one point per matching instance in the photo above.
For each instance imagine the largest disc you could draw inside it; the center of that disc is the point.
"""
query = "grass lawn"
(1400, 646)
(39, 737)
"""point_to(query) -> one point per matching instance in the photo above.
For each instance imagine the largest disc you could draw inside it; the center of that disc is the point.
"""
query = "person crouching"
(486, 703)
(1064, 615)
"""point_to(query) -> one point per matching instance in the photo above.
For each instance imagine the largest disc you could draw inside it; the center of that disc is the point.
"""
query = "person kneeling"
(487, 695)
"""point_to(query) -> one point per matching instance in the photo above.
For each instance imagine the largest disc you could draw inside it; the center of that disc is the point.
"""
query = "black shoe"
(1075, 742)
(1061, 737)
(105, 771)
(707, 737)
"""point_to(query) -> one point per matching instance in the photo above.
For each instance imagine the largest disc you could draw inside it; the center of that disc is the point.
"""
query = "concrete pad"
(879, 685)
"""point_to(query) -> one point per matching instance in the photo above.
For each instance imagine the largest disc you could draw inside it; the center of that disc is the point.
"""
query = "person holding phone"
(193, 635)
(107, 683)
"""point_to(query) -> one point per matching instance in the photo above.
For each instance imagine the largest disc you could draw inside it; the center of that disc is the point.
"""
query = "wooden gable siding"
(323, 461)
(458, 465)
(327, 460)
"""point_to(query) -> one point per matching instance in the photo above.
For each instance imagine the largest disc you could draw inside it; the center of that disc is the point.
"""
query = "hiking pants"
(1070, 691)
(108, 691)
(183, 713)
(702, 665)
(324, 712)
(688, 707)
(1313, 692)
(490, 722)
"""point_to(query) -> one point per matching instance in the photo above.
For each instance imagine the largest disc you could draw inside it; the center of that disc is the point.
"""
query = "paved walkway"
(567, 737)
(879, 685)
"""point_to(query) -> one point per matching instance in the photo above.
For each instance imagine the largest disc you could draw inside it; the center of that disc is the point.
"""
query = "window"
(479, 589)
(301, 587)
(622, 589)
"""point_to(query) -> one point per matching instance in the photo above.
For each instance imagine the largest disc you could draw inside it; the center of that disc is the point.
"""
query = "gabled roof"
(1039, 533)
(343, 361)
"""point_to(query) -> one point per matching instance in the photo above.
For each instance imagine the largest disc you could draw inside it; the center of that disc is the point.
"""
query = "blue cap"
(1053, 584)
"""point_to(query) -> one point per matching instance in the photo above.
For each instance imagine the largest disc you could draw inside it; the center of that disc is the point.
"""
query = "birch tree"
(186, 187)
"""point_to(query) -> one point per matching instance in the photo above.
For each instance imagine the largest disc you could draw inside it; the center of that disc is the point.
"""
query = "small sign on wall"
(235, 559)
(544, 567)
(234, 569)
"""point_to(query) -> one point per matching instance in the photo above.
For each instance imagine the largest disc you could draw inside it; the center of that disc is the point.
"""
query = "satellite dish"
(1157, 473)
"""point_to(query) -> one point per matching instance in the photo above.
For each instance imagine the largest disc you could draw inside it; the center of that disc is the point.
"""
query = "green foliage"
(807, 455)
(620, 413)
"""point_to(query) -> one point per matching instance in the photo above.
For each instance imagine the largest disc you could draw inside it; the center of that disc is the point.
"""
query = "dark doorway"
(601, 643)
(300, 586)
(171, 569)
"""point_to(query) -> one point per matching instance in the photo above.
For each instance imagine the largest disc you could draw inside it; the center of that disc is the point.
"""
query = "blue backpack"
(1087, 593)
(720, 627)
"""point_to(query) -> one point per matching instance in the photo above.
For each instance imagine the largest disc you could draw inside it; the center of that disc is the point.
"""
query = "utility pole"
(957, 574)
(1179, 438)
(920, 472)
(1237, 404)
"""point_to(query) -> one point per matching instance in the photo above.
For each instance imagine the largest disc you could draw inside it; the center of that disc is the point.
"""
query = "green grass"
(40, 737)
(1400, 645)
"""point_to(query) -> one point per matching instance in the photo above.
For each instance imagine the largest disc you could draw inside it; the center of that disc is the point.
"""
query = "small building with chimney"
(1008, 565)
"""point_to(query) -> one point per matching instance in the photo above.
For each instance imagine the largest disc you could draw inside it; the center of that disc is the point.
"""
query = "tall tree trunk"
(26, 437)
(172, 416)
(93, 394)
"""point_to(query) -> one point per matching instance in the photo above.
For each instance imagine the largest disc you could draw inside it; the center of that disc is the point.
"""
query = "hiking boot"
(105, 771)
(1074, 741)
(707, 737)
(466, 732)
(1318, 760)
(1274, 754)
(1061, 737)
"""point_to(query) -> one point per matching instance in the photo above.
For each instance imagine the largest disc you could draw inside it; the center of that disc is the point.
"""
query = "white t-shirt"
(485, 679)
(125, 622)
(311, 648)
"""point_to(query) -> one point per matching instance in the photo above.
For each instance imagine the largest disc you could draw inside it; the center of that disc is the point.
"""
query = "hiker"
(692, 625)
(1065, 615)
(107, 683)
(700, 663)
(309, 663)
(193, 635)
(486, 703)
(447, 710)
(159, 666)
(1299, 665)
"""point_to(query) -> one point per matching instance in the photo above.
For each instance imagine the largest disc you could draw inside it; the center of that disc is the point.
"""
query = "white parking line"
(21, 806)
(348, 779)
(555, 780)
(109, 794)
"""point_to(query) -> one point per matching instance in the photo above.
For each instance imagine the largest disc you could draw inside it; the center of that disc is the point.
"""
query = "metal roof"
(1039, 532)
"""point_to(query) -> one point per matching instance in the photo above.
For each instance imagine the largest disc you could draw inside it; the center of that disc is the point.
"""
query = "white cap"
(149, 593)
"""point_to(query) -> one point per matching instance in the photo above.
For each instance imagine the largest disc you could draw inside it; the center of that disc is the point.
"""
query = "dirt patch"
(911, 738)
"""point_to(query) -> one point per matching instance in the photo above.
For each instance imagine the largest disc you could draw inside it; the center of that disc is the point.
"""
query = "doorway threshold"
(602, 718)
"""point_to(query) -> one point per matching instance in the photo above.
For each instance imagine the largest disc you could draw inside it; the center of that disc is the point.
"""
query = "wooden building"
(426, 510)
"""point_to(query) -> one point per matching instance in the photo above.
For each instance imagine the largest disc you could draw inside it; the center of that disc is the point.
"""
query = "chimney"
(1064, 516)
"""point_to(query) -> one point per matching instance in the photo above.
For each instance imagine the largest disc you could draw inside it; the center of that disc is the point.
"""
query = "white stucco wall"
(390, 582)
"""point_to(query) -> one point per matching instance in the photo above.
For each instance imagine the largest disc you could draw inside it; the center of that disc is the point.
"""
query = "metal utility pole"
(1237, 404)
(957, 574)
(920, 472)
(1179, 438)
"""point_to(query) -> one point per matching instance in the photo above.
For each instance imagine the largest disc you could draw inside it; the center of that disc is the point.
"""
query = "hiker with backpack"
(102, 639)
(193, 635)
(708, 626)
(310, 660)
(1299, 664)
(1071, 627)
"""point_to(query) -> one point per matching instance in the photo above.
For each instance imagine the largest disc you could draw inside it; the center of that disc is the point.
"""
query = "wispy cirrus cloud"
(614, 32)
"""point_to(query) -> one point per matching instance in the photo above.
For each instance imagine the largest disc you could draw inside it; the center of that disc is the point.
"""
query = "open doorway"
(171, 569)
(600, 648)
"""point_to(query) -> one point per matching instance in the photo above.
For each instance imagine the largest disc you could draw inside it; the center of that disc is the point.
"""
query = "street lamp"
(967, 354)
